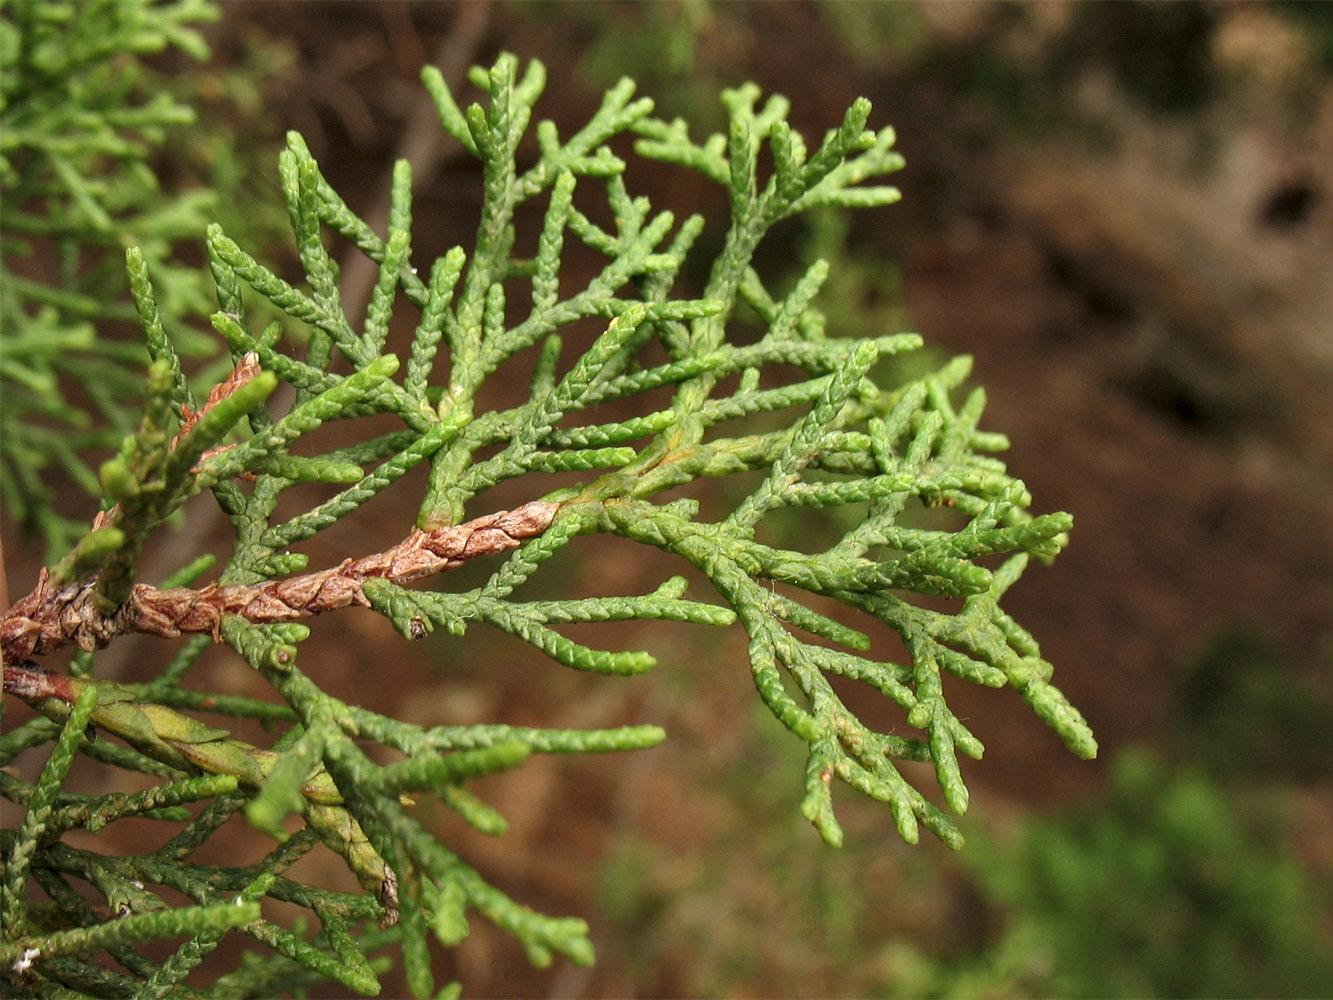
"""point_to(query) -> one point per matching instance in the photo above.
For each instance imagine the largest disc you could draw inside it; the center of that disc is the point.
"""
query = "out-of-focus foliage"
(77, 128)
(89, 124)
(1245, 712)
(1166, 890)
(1179, 882)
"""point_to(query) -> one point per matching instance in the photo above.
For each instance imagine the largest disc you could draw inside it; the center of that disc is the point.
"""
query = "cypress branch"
(810, 413)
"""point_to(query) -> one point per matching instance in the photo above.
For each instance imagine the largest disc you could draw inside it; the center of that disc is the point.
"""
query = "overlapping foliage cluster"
(797, 416)
(79, 123)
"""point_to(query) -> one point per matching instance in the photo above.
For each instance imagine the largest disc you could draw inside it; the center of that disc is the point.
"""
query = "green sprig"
(892, 481)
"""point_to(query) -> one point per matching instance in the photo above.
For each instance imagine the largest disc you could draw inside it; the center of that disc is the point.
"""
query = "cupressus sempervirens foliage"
(798, 409)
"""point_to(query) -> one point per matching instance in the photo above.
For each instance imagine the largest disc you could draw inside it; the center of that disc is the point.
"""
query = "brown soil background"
(1158, 349)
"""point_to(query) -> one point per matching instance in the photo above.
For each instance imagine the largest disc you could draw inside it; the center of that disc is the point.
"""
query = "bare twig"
(246, 369)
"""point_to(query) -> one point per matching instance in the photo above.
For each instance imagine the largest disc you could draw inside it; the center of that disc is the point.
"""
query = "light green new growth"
(797, 418)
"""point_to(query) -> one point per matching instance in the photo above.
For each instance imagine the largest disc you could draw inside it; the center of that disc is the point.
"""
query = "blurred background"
(1124, 212)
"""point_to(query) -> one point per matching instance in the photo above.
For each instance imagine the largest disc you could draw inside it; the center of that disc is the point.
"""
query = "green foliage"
(1166, 890)
(795, 417)
(78, 124)
(1244, 711)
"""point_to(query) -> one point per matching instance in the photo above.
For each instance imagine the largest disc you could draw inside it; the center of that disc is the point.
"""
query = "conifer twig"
(180, 741)
(49, 618)
(802, 419)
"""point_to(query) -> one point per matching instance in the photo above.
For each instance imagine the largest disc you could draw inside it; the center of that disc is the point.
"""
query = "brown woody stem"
(47, 618)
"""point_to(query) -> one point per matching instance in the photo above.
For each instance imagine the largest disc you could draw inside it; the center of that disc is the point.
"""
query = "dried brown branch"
(33, 684)
(47, 618)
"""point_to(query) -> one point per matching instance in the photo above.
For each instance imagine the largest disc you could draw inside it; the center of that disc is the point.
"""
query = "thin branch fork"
(47, 618)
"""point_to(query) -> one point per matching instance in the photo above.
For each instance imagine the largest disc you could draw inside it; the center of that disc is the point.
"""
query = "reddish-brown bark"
(47, 618)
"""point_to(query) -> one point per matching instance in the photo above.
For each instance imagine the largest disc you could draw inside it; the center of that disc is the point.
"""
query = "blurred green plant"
(1315, 21)
(1027, 68)
(1177, 884)
(79, 122)
(1168, 889)
(1244, 712)
(793, 413)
